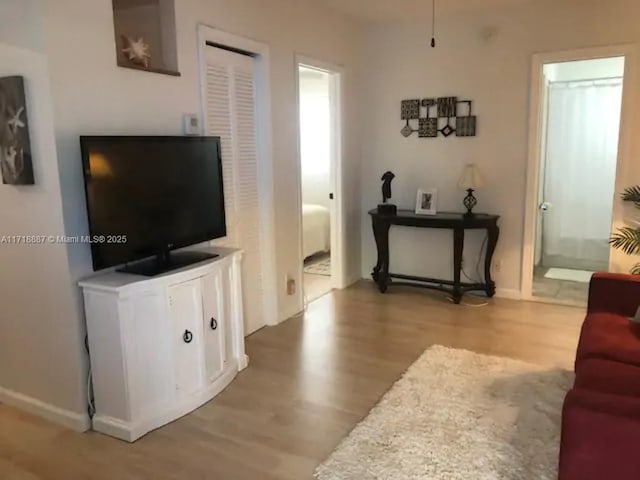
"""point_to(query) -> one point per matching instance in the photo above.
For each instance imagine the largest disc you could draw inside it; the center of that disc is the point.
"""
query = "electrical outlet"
(497, 266)
(291, 285)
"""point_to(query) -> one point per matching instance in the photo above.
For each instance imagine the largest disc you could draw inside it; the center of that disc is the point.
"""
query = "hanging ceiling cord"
(433, 23)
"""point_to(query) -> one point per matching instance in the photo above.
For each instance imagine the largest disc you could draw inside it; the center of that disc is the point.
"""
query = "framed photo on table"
(426, 201)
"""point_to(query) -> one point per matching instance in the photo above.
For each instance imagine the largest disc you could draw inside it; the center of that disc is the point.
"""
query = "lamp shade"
(471, 178)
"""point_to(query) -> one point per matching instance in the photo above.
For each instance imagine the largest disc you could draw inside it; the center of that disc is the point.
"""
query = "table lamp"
(470, 180)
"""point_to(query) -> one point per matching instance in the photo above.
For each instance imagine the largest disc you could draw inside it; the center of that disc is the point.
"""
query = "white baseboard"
(75, 421)
(508, 293)
(296, 312)
(352, 280)
(288, 314)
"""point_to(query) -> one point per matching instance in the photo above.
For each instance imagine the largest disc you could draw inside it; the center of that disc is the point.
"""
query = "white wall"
(315, 137)
(41, 339)
(21, 23)
(484, 56)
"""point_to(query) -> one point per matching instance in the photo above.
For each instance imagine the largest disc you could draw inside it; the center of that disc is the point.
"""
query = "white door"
(214, 325)
(185, 307)
(230, 114)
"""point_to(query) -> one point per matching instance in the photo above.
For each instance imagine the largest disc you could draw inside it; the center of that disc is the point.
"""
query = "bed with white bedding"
(316, 229)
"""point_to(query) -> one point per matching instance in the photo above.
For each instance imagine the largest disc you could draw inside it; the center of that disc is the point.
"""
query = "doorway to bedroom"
(318, 90)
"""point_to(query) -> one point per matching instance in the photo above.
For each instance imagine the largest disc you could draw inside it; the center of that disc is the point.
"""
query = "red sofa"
(601, 414)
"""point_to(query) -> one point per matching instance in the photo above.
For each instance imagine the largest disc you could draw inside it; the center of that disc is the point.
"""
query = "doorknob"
(544, 206)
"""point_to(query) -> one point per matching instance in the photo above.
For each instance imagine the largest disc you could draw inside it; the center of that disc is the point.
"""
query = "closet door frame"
(261, 57)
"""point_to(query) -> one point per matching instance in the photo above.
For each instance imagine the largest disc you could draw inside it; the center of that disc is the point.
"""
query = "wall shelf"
(152, 70)
(151, 22)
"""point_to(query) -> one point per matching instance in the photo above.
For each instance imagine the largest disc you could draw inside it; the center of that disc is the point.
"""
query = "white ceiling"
(388, 11)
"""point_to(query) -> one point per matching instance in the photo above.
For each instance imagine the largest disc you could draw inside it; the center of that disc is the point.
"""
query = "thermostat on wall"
(191, 124)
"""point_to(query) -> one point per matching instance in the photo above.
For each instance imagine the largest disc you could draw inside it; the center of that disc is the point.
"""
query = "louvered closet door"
(231, 115)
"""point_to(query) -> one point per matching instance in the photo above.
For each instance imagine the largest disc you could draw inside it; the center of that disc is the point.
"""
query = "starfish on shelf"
(136, 51)
(14, 121)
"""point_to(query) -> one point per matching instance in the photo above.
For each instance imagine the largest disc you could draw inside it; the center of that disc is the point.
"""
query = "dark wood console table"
(458, 222)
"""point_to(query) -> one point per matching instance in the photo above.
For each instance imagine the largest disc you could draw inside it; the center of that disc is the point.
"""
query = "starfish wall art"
(136, 51)
(15, 146)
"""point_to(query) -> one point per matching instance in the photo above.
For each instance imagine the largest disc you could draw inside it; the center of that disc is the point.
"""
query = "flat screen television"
(147, 196)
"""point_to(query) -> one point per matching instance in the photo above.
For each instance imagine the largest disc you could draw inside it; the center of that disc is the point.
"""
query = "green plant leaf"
(632, 194)
(627, 239)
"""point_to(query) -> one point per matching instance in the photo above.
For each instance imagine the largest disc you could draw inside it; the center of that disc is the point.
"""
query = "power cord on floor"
(483, 252)
(480, 255)
(305, 302)
(91, 409)
(448, 297)
(91, 404)
(473, 305)
(305, 306)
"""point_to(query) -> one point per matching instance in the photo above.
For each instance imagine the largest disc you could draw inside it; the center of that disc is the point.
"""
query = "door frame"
(337, 210)
(536, 124)
(264, 141)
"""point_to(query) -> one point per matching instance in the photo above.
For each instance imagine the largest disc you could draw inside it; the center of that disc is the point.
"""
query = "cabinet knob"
(213, 323)
(187, 336)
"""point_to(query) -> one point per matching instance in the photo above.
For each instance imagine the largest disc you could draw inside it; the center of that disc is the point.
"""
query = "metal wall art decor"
(437, 111)
(15, 148)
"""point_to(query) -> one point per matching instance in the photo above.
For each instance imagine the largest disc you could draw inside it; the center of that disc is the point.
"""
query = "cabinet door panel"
(185, 305)
(214, 325)
(149, 354)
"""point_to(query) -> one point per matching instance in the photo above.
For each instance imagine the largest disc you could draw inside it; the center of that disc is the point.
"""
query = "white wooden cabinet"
(213, 327)
(162, 346)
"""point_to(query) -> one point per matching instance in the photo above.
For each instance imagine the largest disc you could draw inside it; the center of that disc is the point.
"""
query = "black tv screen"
(149, 195)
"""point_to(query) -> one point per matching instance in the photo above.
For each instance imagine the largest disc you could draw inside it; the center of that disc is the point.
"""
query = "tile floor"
(561, 290)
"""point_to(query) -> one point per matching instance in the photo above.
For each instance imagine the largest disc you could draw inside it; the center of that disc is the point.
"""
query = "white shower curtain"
(581, 155)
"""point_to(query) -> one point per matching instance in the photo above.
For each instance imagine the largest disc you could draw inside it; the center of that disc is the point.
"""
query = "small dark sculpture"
(384, 207)
(386, 186)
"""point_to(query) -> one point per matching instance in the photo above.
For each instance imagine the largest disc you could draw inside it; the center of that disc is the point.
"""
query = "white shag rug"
(458, 415)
